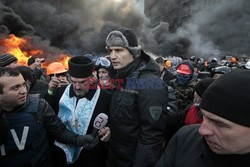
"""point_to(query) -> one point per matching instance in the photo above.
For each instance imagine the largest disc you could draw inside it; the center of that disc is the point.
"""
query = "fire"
(23, 49)
(13, 45)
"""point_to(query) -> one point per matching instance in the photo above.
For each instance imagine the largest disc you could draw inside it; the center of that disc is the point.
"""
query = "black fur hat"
(80, 67)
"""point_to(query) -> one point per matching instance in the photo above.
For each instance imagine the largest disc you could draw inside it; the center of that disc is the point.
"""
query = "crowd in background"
(47, 116)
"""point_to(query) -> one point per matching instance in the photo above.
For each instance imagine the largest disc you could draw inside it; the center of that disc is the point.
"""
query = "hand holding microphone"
(105, 134)
(99, 123)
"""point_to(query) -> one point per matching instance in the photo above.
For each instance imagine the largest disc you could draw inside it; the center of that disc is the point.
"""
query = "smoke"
(224, 26)
(12, 23)
(216, 28)
(81, 26)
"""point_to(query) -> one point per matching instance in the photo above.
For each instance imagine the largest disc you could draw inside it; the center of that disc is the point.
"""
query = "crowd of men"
(195, 115)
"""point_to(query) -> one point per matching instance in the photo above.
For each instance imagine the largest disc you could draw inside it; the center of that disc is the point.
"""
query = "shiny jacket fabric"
(138, 118)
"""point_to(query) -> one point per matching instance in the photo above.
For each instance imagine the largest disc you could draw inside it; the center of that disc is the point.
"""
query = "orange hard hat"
(55, 68)
(233, 60)
(168, 64)
(184, 69)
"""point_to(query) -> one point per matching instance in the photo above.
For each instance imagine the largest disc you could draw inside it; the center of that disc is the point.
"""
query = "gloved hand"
(83, 139)
(91, 145)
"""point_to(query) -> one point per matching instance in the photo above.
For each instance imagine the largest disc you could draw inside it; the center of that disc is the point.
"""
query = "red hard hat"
(184, 69)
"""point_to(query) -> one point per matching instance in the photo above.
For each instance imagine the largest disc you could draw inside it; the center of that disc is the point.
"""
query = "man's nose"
(112, 55)
(205, 128)
(77, 86)
(23, 89)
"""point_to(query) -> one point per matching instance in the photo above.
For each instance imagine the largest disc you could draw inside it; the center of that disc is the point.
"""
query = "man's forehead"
(116, 47)
(11, 80)
(215, 117)
(79, 79)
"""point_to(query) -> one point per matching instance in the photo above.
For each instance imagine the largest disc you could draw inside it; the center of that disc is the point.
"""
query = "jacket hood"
(148, 65)
(141, 65)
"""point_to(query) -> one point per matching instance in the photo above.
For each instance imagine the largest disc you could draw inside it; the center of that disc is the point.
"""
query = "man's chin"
(216, 149)
(81, 94)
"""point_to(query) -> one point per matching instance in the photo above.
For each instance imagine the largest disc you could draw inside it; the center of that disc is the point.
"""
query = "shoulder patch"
(155, 112)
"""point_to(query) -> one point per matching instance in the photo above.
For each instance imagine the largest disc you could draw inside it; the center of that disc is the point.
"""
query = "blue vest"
(26, 137)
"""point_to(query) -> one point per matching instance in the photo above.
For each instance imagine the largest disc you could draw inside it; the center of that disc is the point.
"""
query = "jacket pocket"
(127, 106)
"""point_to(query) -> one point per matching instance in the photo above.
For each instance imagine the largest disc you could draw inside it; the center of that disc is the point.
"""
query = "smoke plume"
(212, 29)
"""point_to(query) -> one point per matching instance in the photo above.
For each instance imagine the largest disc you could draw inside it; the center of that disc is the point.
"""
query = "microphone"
(99, 123)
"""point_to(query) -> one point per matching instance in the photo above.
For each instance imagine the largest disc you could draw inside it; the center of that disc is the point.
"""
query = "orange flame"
(20, 48)
(12, 45)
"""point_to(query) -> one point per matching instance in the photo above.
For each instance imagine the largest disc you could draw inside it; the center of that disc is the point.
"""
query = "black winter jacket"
(188, 148)
(138, 117)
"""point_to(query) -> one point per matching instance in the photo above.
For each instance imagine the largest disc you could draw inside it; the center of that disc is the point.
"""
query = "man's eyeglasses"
(103, 61)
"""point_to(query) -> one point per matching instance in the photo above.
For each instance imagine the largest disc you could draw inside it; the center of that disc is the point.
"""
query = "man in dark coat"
(138, 110)
(77, 105)
(35, 87)
(26, 122)
(222, 140)
(184, 85)
(165, 74)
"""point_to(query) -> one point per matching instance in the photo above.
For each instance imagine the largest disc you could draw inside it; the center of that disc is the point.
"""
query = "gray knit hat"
(6, 59)
(126, 38)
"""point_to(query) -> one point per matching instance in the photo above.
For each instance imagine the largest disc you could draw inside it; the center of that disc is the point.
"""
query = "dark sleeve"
(167, 158)
(152, 106)
(173, 116)
(102, 106)
(184, 149)
(53, 100)
(54, 125)
(107, 98)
